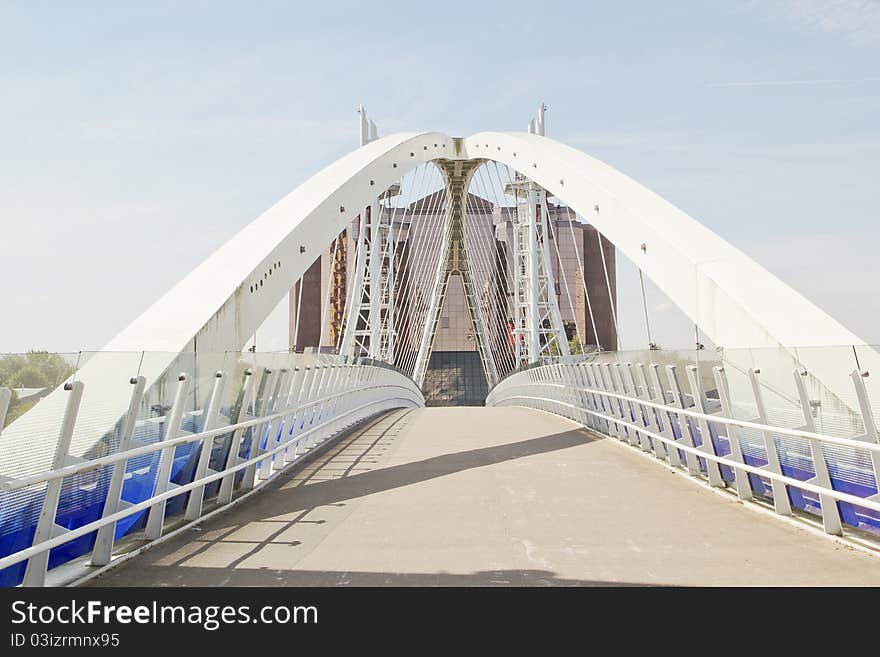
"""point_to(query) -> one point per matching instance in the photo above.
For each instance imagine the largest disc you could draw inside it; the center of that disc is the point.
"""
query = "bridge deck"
(485, 496)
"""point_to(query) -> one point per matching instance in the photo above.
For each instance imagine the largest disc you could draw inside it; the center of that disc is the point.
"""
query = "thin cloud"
(787, 83)
(856, 20)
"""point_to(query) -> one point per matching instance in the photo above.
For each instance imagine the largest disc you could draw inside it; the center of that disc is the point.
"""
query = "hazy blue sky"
(135, 138)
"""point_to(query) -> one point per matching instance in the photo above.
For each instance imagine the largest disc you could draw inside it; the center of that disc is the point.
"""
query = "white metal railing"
(629, 402)
(286, 414)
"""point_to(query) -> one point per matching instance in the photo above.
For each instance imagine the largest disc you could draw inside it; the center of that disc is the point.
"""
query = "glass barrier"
(31, 431)
(808, 388)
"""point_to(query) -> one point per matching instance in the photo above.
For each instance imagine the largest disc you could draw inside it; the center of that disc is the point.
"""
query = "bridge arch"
(219, 305)
(214, 308)
(733, 300)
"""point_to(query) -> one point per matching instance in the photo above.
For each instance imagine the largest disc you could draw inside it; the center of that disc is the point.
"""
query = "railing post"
(626, 409)
(830, 513)
(651, 414)
(305, 395)
(103, 550)
(248, 398)
(309, 409)
(622, 413)
(297, 421)
(292, 418)
(264, 394)
(559, 394)
(166, 460)
(742, 481)
(325, 415)
(212, 417)
(644, 440)
(557, 376)
(545, 393)
(273, 435)
(538, 378)
(599, 400)
(578, 395)
(609, 403)
(665, 416)
(693, 464)
(707, 444)
(35, 571)
(781, 503)
(585, 394)
(604, 370)
(320, 382)
(335, 406)
(338, 407)
(870, 434)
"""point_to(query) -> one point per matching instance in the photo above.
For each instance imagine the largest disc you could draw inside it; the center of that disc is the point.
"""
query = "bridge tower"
(537, 323)
(369, 324)
(454, 262)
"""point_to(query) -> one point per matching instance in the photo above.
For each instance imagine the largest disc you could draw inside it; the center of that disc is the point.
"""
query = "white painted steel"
(212, 309)
(733, 300)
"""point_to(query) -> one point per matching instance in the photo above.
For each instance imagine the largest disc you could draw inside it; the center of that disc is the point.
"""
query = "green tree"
(574, 346)
(35, 369)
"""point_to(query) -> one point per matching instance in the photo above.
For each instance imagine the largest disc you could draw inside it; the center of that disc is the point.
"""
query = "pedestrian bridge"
(490, 496)
(721, 464)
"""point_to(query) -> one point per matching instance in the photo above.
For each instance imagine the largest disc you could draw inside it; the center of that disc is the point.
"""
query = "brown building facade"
(579, 256)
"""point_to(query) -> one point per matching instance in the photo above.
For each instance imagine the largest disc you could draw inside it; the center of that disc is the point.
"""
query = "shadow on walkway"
(281, 498)
(199, 576)
(351, 487)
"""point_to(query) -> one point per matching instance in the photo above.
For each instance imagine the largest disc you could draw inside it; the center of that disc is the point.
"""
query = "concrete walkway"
(486, 496)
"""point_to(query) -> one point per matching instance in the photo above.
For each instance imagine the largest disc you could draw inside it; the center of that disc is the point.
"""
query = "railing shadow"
(295, 504)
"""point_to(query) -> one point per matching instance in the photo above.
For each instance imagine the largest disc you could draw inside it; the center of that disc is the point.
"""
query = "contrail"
(785, 83)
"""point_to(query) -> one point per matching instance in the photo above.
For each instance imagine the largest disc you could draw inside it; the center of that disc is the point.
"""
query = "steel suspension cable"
(645, 306)
(481, 258)
(414, 280)
(426, 206)
(442, 228)
(608, 284)
(387, 247)
(584, 283)
(511, 311)
(485, 181)
(562, 271)
(415, 239)
(427, 281)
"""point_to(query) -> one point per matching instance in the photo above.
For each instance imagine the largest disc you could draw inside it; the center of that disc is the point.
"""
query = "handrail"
(116, 457)
(613, 402)
(718, 419)
(757, 470)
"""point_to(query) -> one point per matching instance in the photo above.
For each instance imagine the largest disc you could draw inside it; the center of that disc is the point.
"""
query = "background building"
(579, 254)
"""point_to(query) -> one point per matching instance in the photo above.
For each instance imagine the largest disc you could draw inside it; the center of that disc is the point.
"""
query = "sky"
(136, 138)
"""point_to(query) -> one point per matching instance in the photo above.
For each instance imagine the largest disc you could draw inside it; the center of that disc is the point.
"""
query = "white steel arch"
(734, 301)
(731, 298)
(213, 309)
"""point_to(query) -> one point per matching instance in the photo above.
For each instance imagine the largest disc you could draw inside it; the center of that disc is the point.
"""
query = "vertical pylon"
(454, 261)
(538, 329)
(369, 325)
(369, 320)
